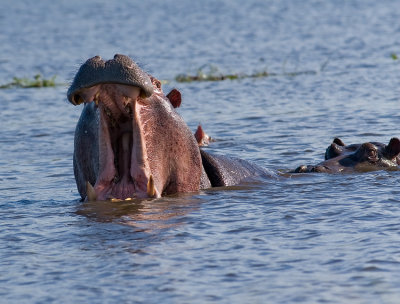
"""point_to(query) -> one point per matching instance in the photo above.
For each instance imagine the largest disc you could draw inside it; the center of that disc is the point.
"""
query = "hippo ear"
(338, 141)
(175, 98)
(333, 150)
(202, 138)
(393, 148)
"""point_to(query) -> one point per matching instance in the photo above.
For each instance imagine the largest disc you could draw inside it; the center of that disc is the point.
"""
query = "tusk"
(151, 191)
(90, 193)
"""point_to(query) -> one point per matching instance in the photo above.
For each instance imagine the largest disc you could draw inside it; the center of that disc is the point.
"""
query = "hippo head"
(378, 154)
(360, 151)
(145, 149)
(357, 157)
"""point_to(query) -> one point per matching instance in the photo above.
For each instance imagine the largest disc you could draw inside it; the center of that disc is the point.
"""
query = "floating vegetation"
(212, 73)
(206, 73)
(36, 82)
(394, 56)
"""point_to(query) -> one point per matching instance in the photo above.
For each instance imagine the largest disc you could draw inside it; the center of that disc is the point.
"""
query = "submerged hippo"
(357, 157)
(131, 143)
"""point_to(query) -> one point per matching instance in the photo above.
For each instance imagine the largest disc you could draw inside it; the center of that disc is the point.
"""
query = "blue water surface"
(303, 239)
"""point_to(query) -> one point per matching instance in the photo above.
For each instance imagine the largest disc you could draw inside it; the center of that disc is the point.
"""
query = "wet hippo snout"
(119, 70)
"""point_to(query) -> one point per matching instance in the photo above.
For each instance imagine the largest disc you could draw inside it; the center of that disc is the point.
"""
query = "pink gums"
(123, 168)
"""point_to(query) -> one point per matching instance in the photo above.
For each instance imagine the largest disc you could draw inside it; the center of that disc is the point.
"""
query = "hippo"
(131, 143)
(357, 157)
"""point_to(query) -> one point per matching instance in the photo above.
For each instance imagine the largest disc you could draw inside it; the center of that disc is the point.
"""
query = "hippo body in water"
(131, 143)
(368, 156)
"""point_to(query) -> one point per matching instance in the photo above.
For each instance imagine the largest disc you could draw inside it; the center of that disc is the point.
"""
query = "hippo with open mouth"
(357, 157)
(131, 143)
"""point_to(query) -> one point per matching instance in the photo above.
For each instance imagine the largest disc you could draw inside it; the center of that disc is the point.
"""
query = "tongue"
(123, 186)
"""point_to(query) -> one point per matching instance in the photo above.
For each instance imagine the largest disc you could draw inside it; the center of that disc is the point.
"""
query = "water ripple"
(287, 238)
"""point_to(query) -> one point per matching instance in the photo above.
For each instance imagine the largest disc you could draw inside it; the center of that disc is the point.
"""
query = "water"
(306, 239)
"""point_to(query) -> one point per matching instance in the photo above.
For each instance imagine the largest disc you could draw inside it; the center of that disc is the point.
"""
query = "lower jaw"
(119, 191)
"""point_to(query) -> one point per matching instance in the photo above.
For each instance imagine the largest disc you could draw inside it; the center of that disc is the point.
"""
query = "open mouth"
(115, 180)
(122, 92)
(123, 169)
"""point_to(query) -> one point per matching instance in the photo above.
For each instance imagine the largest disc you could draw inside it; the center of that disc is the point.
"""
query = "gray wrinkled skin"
(86, 148)
(121, 70)
(227, 171)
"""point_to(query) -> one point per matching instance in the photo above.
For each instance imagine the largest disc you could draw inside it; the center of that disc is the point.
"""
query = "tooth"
(151, 191)
(90, 193)
(127, 104)
(127, 109)
(96, 98)
(115, 200)
(129, 199)
(108, 112)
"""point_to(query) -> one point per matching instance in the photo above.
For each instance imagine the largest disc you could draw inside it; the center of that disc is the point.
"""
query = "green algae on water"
(212, 73)
(36, 82)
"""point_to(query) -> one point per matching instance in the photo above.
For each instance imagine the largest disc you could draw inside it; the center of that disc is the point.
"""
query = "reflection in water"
(146, 215)
(149, 215)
